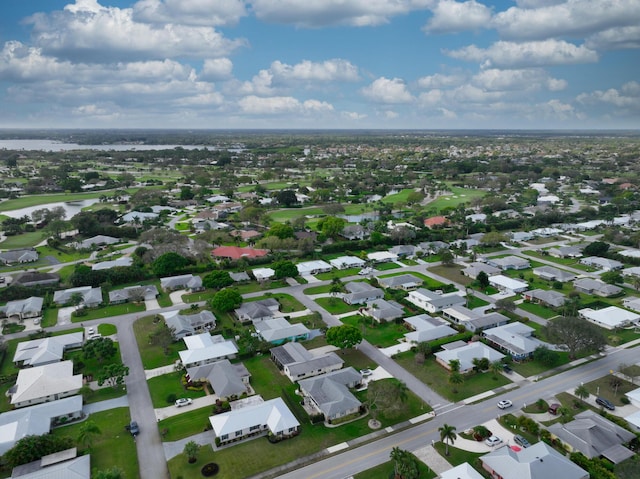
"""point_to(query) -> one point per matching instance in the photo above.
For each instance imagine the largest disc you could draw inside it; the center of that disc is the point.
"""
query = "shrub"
(171, 398)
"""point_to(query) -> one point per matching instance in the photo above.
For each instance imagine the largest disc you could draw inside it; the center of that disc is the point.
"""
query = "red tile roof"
(435, 221)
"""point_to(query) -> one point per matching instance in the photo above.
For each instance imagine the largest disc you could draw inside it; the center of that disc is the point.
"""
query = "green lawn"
(108, 311)
(49, 317)
(91, 366)
(380, 335)
(399, 197)
(64, 256)
(107, 329)
(604, 387)
(24, 240)
(114, 446)
(161, 387)
(436, 377)
(535, 368)
(336, 305)
(153, 356)
(457, 197)
(387, 266)
(457, 456)
(318, 289)
(337, 273)
(386, 470)
(538, 310)
(452, 273)
(475, 302)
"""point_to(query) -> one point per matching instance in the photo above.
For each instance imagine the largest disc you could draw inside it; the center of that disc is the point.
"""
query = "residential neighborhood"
(318, 321)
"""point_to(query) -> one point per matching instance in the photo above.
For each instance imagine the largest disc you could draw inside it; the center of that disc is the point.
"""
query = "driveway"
(64, 315)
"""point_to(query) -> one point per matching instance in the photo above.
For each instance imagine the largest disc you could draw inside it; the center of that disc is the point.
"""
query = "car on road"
(521, 441)
(183, 402)
(133, 428)
(605, 403)
(504, 404)
(492, 441)
(91, 331)
(366, 372)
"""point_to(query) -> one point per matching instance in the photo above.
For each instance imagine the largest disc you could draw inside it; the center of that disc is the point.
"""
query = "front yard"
(336, 306)
(381, 335)
(154, 356)
(169, 386)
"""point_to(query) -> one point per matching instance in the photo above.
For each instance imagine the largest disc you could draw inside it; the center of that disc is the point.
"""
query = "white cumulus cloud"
(439, 80)
(385, 90)
(190, 12)
(280, 105)
(617, 38)
(216, 69)
(526, 54)
(450, 16)
(494, 79)
(307, 71)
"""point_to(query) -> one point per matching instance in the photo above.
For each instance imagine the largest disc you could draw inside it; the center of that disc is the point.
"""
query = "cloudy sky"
(320, 63)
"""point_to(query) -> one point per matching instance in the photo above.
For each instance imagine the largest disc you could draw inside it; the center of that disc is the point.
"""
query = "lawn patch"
(336, 306)
(170, 385)
(381, 335)
(153, 356)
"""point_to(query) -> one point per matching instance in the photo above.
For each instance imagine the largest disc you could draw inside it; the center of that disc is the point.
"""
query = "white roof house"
(605, 264)
(507, 284)
(138, 216)
(263, 273)
(345, 262)
(279, 330)
(46, 350)
(634, 397)
(271, 416)
(509, 262)
(433, 302)
(35, 420)
(513, 338)
(631, 302)
(382, 256)
(23, 308)
(427, 328)
(313, 267)
(463, 471)
(466, 354)
(57, 466)
(90, 296)
(204, 349)
(610, 317)
(553, 274)
(184, 281)
(182, 325)
(124, 261)
(45, 383)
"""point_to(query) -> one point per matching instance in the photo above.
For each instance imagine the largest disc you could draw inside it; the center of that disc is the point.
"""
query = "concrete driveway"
(64, 315)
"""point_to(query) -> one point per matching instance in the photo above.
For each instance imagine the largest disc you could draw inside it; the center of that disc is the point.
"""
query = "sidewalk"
(170, 411)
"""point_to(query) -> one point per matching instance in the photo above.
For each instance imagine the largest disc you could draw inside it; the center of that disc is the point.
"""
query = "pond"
(71, 208)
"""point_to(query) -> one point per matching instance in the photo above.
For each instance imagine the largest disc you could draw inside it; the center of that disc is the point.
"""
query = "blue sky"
(421, 64)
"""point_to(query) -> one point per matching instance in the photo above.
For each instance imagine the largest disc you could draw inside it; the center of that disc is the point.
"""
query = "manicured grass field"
(24, 240)
(457, 197)
(387, 266)
(153, 356)
(107, 329)
(534, 368)
(337, 273)
(436, 377)
(318, 289)
(452, 273)
(457, 456)
(336, 305)
(380, 335)
(538, 310)
(162, 386)
(108, 311)
(114, 446)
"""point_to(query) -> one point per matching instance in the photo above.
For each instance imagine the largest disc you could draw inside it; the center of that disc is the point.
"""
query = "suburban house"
(472, 320)
(313, 267)
(36, 420)
(38, 352)
(236, 252)
(507, 284)
(462, 471)
(45, 383)
(634, 397)
(433, 247)
(21, 309)
(383, 311)
(137, 293)
(610, 317)
(297, 363)
(631, 302)
(509, 262)
(359, 292)
(403, 281)
(346, 262)
(184, 281)
(435, 221)
(122, 262)
(228, 381)
(329, 393)
(183, 325)
(545, 297)
(465, 354)
(253, 417)
(91, 297)
(594, 436)
(36, 278)
(382, 257)
(597, 287)
(550, 273)
(604, 264)
(263, 274)
(519, 236)
(538, 461)
(404, 250)
(513, 339)
(565, 252)
(434, 302)
(239, 277)
(257, 310)
(138, 217)
(353, 232)
(206, 349)
(426, 328)
(475, 268)
(279, 330)
(99, 240)
(24, 255)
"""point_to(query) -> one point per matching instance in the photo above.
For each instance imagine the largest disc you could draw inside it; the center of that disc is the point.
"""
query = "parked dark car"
(605, 403)
(507, 369)
(553, 408)
(133, 428)
(521, 441)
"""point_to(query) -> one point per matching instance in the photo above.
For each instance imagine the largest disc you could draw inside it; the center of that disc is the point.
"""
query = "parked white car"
(183, 402)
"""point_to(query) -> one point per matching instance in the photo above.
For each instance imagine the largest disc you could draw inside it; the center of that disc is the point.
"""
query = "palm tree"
(455, 379)
(496, 368)
(581, 392)
(88, 430)
(397, 455)
(447, 434)
(454, 365)
(191, 450)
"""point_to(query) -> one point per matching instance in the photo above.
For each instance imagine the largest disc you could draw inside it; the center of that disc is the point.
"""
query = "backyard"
(381, 335)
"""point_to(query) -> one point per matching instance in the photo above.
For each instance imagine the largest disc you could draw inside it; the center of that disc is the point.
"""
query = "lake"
(50, 145)
(71, 208)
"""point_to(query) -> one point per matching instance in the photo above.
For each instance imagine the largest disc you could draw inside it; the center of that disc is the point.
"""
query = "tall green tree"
(331, 226)
(285, 269)
(169, 264)
(113, 374)
(581, 392)
(447, 435)
(343, 337)
(32, 448)
(577, 335)
(191, 450)
(113, 473)
(217, 280)
(99, 348)
(226, 300)
(87, 433)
